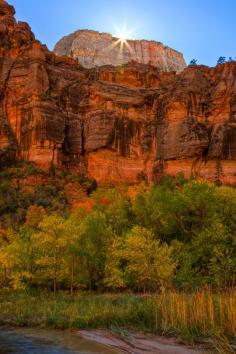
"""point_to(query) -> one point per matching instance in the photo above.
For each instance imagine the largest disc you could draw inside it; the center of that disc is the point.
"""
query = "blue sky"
(202, 29)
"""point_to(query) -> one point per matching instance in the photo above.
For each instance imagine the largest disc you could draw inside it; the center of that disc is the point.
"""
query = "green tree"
(221, 60)
(52, 240)
(210, 258)
(149, 263)
(74, 251)
(116, 207)
(19, 252)
(193, 62)
(226, 206)
(95, 239)
(18, 257)
(114, 276)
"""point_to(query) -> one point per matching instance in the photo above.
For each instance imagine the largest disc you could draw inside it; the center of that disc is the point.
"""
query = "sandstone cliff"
(92, 48)
(113, 124)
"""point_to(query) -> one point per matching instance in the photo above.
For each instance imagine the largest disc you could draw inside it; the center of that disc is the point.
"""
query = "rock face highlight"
(91, 49)
(113, 124)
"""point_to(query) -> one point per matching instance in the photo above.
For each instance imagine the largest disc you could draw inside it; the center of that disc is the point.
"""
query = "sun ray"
(129, 47)
(112, 45)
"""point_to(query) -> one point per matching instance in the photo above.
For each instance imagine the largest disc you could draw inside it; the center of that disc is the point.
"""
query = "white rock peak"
(92, 48)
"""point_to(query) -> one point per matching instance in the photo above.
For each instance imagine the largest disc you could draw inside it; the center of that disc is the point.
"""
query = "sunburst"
(123, 35)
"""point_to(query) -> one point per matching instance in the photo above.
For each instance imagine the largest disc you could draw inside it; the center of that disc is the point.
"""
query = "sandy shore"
(140, 343)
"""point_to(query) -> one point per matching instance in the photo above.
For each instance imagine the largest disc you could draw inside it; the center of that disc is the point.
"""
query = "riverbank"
(191, 318)
(139, 343)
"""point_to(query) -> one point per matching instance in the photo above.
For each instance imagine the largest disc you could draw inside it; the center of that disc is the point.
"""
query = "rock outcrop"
(91, 49)
(123, 124)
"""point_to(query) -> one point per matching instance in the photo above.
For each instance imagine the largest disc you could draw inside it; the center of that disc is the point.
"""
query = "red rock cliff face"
(114, 124)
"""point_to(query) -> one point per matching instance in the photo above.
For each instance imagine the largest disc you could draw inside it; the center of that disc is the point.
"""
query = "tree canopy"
(176, 234)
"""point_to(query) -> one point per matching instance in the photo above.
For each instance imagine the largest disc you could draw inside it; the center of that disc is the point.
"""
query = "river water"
(39, 341)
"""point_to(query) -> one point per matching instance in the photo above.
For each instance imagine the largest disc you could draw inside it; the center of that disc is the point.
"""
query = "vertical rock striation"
(114, 124)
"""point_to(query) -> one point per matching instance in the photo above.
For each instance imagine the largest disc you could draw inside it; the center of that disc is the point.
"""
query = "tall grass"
(190, 316)
(199, 314)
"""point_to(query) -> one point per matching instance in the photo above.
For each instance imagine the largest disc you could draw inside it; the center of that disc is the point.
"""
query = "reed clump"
(202, 313)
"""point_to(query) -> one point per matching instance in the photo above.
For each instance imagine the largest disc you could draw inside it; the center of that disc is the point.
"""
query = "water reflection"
(38, 341)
